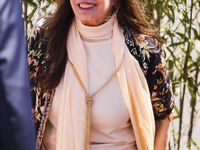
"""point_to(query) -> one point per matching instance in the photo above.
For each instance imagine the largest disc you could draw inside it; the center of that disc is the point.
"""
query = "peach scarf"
(72, 114)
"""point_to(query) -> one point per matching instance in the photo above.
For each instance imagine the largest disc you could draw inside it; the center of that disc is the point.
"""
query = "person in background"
(99, 78)
(16, 123)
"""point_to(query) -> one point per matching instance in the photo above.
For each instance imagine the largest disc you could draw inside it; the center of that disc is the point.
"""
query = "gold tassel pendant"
(89, 101)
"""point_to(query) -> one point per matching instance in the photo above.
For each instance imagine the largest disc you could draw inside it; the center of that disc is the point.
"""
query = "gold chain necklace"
(89, 99)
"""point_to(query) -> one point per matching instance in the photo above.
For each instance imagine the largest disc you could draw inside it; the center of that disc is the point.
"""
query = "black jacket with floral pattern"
(147, 52)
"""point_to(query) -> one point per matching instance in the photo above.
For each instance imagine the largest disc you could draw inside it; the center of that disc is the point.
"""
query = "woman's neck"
(96, 33)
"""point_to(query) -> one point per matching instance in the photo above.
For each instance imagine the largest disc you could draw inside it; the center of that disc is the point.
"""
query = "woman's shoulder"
(37, 28)
(141, 46)
(35, 35)
(37, 40)
(144, 48)
(151, 49)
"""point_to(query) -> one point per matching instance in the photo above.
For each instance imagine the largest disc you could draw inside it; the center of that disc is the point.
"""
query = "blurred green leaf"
(177, 111)
(195, 144)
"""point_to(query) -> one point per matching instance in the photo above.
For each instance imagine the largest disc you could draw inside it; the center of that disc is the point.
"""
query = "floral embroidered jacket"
(146, 51)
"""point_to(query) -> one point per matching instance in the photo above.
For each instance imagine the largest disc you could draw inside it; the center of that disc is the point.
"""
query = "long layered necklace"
(89, 99)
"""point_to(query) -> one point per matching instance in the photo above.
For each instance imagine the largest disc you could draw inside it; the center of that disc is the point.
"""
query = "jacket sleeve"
(150, 56)
(159, 81)
(35, 54)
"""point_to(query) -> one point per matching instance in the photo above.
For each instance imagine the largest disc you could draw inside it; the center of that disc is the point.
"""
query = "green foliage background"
(179, 25)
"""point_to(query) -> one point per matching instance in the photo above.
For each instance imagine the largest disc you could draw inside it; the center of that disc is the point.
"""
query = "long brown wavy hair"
(52, 66)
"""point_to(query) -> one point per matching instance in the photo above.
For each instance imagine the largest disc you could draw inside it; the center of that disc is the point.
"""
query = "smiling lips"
(86, 5)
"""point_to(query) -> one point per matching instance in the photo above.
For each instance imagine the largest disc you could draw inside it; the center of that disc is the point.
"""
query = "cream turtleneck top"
(111, 128)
